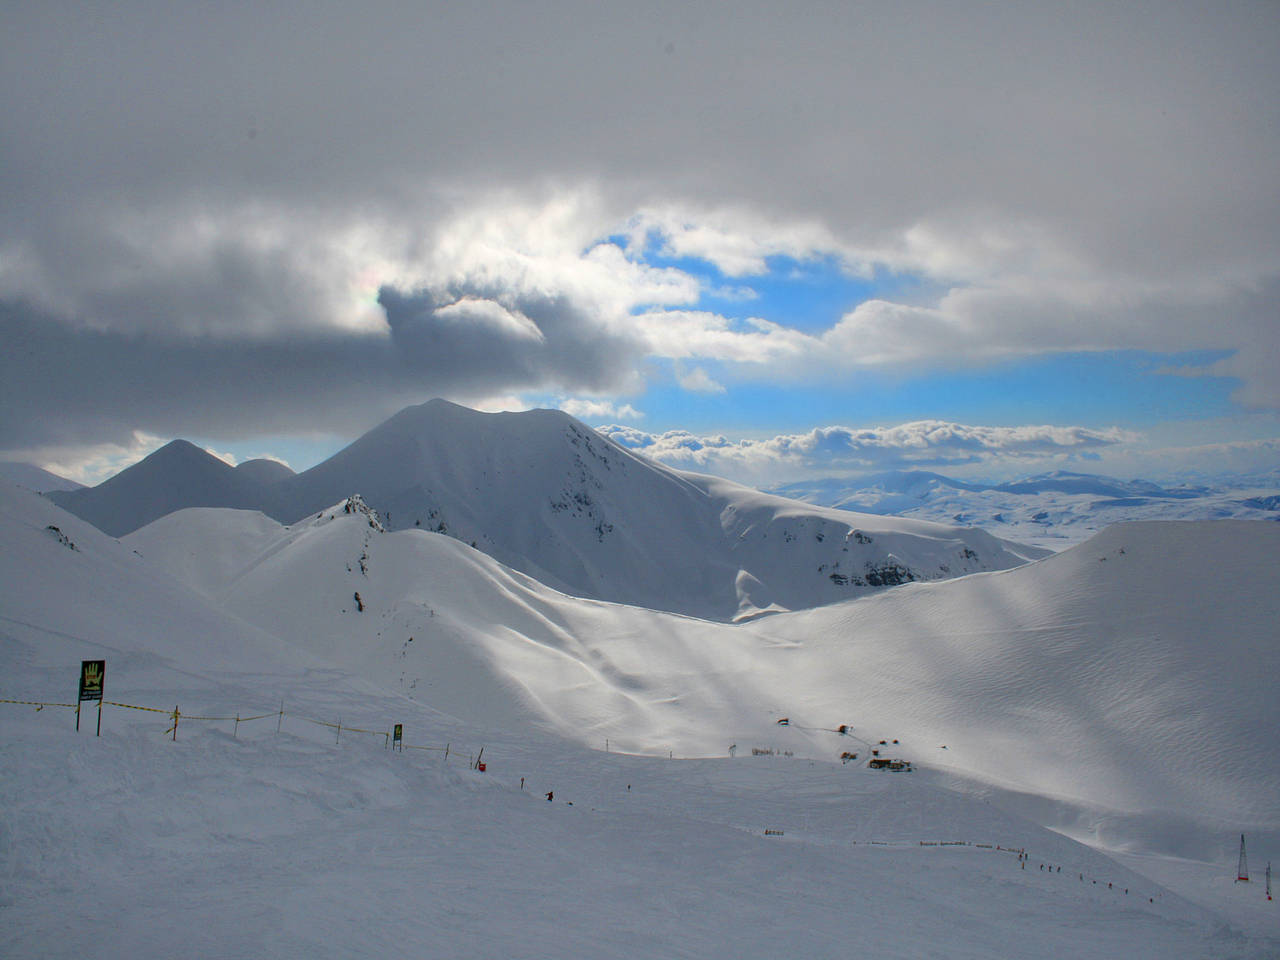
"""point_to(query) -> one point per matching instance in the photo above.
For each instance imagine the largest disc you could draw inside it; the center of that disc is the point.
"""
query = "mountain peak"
(179, 474)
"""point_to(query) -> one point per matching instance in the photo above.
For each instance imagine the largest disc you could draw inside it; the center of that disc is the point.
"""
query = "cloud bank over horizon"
(846, 450)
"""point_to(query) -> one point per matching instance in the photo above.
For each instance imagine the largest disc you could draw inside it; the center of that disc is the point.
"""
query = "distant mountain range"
(548, 496)
(1051, 510)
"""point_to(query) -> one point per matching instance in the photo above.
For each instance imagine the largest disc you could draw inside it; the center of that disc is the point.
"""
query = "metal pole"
(99, 732)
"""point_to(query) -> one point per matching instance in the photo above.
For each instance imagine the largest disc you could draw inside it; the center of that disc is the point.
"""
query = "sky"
(759, 240)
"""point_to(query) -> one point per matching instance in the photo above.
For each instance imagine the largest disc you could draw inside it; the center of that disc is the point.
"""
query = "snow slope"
(34, 478)
(269, 844)
(1124, 689)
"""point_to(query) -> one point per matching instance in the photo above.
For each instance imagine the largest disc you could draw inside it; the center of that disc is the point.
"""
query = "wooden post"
(339, 737)
(175, 723)
(235, 732)
(280, 716)
(99, 731)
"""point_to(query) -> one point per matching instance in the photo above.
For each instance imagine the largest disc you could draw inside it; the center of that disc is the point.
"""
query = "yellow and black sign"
(92, 674)
(397, 735)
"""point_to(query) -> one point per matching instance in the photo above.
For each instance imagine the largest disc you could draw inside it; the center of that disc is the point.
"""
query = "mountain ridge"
(544, 494)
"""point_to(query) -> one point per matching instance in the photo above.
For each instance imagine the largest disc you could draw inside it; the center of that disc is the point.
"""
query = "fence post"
(176, 714)
(338, 738)
(235, 732)
(280, 717)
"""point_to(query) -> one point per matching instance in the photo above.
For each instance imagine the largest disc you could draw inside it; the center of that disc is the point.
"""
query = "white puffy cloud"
(738, 241)
(697, 380)
(584, 408)
(702, 335)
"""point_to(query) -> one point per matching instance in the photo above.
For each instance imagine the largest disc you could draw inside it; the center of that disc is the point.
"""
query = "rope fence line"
(132, 706)
(176, 715)
(40, 704)
(1024, 858)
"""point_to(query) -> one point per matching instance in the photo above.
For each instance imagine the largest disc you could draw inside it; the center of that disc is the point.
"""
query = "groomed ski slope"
(283, 844)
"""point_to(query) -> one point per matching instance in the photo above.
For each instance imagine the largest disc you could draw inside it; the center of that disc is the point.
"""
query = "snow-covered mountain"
(34, 478)
(264, 472)
(1052, 510)
(544, 494)
(178, 475)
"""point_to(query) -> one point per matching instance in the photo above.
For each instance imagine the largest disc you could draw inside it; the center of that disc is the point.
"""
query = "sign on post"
(397, 737)
(92, 675)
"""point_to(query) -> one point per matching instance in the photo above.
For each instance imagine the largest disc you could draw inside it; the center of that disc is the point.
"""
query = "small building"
(884, 763)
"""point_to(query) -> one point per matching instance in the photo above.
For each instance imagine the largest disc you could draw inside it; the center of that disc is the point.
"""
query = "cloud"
(736, 240)
(589, 409)
(59, 384)
(91, 463)
(495, 316)
(223, 219)
(839, 449)
(698, 380)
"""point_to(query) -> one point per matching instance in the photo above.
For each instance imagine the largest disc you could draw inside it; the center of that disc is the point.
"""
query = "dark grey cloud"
(65, 385)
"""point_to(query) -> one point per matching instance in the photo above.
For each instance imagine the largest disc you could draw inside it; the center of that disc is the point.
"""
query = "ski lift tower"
(1242, 871)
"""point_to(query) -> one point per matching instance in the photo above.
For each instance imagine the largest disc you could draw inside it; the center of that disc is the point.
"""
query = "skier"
(550, 795)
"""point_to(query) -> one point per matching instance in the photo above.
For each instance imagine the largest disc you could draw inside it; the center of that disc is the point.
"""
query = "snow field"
(269, 846)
